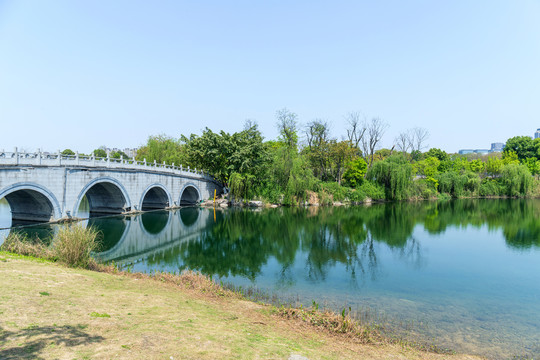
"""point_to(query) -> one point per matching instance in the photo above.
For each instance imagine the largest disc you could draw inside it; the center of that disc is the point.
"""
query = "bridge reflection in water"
(130, 239)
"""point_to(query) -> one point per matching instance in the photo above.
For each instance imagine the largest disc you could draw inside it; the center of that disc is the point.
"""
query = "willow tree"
(395, 174)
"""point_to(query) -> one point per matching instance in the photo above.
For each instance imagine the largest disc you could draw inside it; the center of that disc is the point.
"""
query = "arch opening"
(105, 198)
(29, 206)
(190, 196)
(154, 199)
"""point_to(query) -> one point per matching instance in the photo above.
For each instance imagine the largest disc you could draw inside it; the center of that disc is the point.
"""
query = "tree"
(287, 124)
(517, 179)
(356, 129)
(523, 146)
(162, 148)
(394, 173)
(340, 153)
(223, 154)
(477, 166)
(318, 150)
(403, 142)
(494, 165)
(119, 155)
(418, 138)
(438, 153)
(375, 130)
(356, 170)
(68, 152)
(100, 152)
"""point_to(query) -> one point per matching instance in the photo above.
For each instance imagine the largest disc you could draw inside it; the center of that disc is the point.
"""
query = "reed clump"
(21, 244)
(72, 245)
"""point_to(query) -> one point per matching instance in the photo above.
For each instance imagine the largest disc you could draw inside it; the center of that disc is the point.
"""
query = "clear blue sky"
(81, 74)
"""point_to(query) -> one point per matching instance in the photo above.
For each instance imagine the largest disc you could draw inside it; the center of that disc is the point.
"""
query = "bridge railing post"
(77, 158)
(59, 156)
(16, 156)
(39, 156)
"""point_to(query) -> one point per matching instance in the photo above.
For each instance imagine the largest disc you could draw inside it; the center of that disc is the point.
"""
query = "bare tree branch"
(375, 131)
(357, 128)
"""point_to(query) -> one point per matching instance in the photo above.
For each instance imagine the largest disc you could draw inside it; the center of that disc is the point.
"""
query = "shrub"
(19, 243)
(421, 189)
(74, 244)
(372, 190)
(338, 192)
(490, 187)
(452, 183)
(517, 179)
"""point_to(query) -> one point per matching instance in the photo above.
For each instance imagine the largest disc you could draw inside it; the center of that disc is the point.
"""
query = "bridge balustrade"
(47, 159)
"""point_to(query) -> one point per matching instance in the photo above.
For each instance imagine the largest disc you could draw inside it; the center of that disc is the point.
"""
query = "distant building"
(537, 134)
(130, 152)
(497, 147)
(474, 151)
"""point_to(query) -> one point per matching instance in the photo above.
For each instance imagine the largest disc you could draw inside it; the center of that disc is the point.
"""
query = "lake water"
(461, 274)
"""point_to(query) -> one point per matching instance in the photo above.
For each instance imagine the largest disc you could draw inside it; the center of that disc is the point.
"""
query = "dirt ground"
(48, 311)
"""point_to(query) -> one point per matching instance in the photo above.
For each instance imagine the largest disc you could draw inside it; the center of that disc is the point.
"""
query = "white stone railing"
(47, 159)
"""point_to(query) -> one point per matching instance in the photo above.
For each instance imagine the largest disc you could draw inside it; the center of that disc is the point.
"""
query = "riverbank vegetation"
(306, 164)
(72, 245)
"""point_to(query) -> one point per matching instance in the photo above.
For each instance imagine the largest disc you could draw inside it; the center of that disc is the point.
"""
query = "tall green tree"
(162, 148)
(394, 173)
(523, 146)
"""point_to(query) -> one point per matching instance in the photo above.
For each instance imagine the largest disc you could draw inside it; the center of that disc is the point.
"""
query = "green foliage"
(491, 187)
(517, 179)
(162, 148)
(287, 123)
(100, 153)
(460, 164)
(338, 192)
(477, 166)
(533, 165)
(394, 173)
(355, 173)
(372, 190)
(494, 166)
(472, 183)
(452, 183)
(510, 157)
(422, 189)
(68, 152)
(242, 186)
(223, 154)
(523, 146)
(119, 155)
(300, 180)
(437, 153)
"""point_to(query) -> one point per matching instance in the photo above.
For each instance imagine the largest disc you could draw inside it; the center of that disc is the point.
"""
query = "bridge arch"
(31, 202)
(156, 196)
(190, 195)
(105, 195)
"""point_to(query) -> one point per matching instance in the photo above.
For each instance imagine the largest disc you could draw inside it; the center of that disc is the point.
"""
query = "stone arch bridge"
(44, 187)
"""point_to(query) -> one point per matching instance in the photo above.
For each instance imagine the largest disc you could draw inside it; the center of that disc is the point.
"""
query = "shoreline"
(131, 315)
